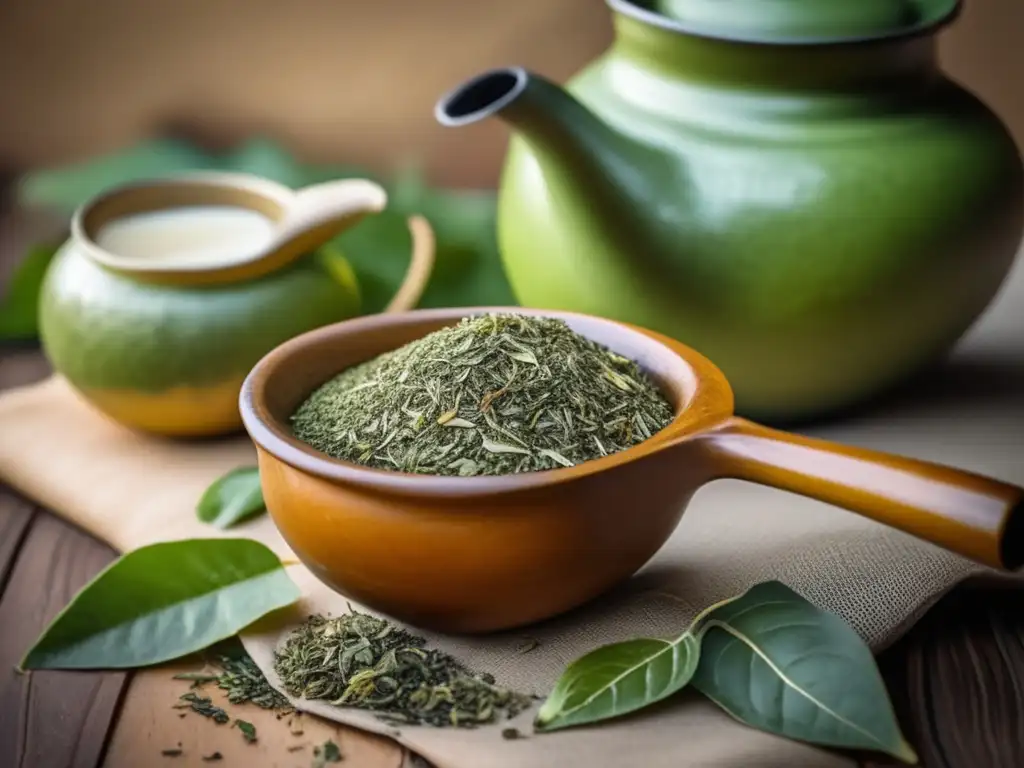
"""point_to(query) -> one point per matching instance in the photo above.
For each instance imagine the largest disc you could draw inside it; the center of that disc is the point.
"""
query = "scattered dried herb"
(362, 661)
(205, 707)
(511, 733)
(528, 644)
(245, 683)
(328, 753)
(492, 395)
(296, 747)
(248, 730)
(170, 752)
(213, 757)
(197, 678)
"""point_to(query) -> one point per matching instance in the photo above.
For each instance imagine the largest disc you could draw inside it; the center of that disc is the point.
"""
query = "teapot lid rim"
(933, 14)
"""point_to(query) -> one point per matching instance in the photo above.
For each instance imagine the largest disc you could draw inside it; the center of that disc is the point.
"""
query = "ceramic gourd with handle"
(161, 342)
(792, 187)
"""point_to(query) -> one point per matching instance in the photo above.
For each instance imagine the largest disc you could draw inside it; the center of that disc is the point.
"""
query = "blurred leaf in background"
(467, 272)
(66, 188)
(19, 306)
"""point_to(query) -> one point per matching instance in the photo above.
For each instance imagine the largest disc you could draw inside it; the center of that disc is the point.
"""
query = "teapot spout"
(546, 116)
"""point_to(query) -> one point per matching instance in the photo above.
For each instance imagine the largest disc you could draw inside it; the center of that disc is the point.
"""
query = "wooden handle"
(420, 266)
(975, 516)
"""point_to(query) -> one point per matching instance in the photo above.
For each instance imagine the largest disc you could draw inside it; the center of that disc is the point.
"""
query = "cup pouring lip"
(697, 389)
(299, 219)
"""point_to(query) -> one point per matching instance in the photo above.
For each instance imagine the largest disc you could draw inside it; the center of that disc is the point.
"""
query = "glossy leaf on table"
(619, 678)
(233, 498)
(164, 601)
(773, 660)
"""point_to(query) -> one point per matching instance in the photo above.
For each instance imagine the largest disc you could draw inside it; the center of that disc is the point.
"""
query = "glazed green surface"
(820, 223)
(102, 330)
(797, 20)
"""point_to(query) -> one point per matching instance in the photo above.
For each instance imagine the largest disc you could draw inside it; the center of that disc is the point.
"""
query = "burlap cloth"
(130, 490)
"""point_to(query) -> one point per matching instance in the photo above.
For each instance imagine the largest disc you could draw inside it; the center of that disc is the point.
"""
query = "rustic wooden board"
(14, 527)
(959, 678)
(148, 724)
(48, 718)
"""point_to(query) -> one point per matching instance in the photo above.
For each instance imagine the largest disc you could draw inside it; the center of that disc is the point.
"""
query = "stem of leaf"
(696, 626)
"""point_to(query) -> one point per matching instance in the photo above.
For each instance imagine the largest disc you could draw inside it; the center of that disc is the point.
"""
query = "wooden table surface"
(957, 679)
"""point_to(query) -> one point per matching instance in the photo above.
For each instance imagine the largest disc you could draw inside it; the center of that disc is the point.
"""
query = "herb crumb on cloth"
(362, 661)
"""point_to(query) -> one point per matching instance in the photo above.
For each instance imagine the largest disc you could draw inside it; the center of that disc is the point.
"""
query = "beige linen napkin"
(130, 490)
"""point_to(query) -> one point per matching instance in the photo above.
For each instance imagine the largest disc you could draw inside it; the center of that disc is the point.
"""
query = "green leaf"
(468, 267)
(19, 307)
(328, 753)
(248, 730)
(232, 498)
(338, 267)
(164, 601)
(378, 250)
(263, 157)
(776, 662)
(617, 679)
(67, 187)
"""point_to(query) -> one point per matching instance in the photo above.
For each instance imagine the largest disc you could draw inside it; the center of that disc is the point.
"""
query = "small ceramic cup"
(162, 346)
(474, 554)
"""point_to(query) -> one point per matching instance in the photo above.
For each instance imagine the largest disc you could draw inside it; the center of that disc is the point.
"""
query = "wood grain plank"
(16, 516)
(957, 680)
(148, 724)
(51, 719)
(20, 366)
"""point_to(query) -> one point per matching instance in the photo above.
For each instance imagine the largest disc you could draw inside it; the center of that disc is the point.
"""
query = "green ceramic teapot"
(792, 187)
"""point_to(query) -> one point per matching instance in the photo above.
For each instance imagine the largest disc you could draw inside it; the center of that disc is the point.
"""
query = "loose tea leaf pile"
(493, 395)
(369, 663)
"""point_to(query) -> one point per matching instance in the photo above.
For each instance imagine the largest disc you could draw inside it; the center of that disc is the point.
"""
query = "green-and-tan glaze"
(791, 187)
(171, 359)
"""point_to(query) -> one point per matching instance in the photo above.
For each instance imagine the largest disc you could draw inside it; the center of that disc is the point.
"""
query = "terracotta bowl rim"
(711, 403)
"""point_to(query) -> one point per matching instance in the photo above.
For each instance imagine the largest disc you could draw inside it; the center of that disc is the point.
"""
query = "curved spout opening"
(481, 97)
